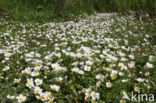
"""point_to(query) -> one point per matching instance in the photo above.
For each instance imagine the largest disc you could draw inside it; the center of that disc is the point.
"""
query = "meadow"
(77, 51)
(97, 59)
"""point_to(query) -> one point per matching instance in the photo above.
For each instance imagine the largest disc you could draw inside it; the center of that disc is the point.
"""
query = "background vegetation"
(69, 9)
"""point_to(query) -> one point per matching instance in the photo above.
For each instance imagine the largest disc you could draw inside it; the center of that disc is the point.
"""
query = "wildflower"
(37, 68)
(17, 80)
(10, 97)
(34, 74)
(37, 90)
(38, 55)
(87, 97)
(6, 68)
(41, 96)
(148, 65)
(100, 77)
(30, 84)
(108, 84)
(89, 63)
(122, 101)
(55, 66)
(55, 87)
(59, 79)
(87, 68)
(137, 89)
(7, 55)
(140, 79)
(88, 91)
(124, 80)
(95, 95)
(47, 95)
(151, 58)
(38, 81)
(121, 74)
(131, 56)
(75, 70)
(21, 98)
(81, 72)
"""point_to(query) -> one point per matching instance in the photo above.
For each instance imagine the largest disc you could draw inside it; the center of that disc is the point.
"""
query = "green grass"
(69, 9)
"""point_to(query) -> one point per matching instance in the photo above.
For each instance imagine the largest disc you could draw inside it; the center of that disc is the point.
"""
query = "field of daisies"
(93, 60)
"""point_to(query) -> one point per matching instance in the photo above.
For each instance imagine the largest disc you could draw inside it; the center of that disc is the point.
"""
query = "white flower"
(140, 79)
(87, 97)
(41, 96)
(75, 63)
(17, 80)
(30, 84)
(114, 72)
(21, 98)
(87, 68)
(10, 97)
(37, 68)
(131, 56)
(38, 55)
(88, 91)
(95, 95)
(121, 54)
(120, 64)
(59, 79)
(6, 68)
(131, 64)
(81, 72)
(124, 80)
(34, 74)
(30, 80)
(137, 89)
(121, 74)
(55, 66)
(55, 87)
(38, 81)
(114, 59)
(108, 84)
(7, 54)
(99, 77)
(124, 68)
(89, 63)
(37, 90)
(75, 70)
(151, 58)
(148, 65)
(123, 59)
(47, 95)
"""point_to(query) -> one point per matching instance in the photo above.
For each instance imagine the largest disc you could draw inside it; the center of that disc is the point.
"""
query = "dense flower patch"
(92, 60)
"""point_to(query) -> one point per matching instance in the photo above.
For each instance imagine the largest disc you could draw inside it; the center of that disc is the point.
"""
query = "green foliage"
(69, 9)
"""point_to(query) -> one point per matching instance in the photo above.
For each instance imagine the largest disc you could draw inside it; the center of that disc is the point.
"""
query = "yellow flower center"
(137, 89)
(94, 95)
(89, 92)
(87, 98)
(21, 99)
(54, 67)
(30, 85)
(109, 85)
(122, 102)
(51, 101)
(37, 91)
(41, 97)
(54, 88)
(10, 97)
(113, 77)
(38, 82)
